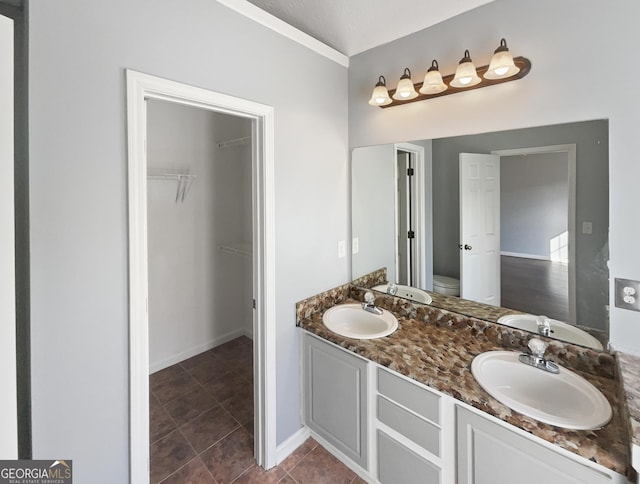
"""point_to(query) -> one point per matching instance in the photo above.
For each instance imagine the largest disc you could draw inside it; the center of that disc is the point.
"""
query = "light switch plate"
(627, 294)
(342, 249)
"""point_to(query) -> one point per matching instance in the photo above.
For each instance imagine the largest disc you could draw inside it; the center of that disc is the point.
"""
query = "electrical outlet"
(355, 245)
(587, 228)
(627, 294)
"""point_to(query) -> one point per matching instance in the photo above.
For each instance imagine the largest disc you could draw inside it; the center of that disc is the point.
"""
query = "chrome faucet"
(369, 304)
(536, 358)
(392, 288)
(544, 326)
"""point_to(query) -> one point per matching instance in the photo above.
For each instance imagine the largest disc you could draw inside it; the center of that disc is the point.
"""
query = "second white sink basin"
(407, 292)
(565, 399)
(352, 321)
(559, 330)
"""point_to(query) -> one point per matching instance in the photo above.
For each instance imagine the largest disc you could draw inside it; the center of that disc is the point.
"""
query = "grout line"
(176, 470)
(239, 425)
(174, 423)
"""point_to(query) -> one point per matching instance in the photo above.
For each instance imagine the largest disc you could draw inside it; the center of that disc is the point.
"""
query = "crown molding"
(266, 19)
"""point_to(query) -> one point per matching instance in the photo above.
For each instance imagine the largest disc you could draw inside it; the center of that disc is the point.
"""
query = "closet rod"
(234, 142)
(184, 182)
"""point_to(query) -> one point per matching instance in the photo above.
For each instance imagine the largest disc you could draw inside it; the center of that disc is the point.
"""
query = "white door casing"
(8, 379)
(139, 88)
(480, 228)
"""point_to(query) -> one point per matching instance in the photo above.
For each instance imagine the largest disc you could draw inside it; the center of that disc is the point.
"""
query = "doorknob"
(466, 247)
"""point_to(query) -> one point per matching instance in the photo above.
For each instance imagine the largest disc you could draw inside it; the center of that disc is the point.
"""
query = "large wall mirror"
(517, 219)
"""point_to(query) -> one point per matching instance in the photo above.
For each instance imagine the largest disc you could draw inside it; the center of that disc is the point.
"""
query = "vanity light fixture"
(433, 83)
(405, 89)
(380, 96)
(466, 75)
(501, 65)
(502, 68)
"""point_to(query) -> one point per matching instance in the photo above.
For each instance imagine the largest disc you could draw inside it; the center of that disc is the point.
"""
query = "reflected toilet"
(449, 286)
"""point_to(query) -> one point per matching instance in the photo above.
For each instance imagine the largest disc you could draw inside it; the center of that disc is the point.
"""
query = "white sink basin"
(559, 330)
(352, 321)
(408, 292)
(564, 399)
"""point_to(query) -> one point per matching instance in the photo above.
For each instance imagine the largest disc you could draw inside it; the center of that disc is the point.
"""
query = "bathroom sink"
(407, 292)
(559, 330)
(565, 399)
(352, 321)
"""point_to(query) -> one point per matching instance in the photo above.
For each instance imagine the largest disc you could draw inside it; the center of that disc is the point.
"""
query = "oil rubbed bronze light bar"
(502, 68)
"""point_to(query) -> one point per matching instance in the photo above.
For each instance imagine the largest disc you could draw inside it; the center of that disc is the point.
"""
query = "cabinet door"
(491, 454)
(335, 397)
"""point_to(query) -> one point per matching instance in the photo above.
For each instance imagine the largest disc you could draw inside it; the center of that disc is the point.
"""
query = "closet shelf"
(243, 249)
(234, 142)
(184, 181)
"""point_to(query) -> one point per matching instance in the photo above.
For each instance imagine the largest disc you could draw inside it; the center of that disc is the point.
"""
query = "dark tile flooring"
(201, 426)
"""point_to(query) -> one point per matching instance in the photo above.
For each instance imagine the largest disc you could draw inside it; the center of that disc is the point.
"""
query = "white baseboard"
(195, 350)
(285, 449)
(525, 256)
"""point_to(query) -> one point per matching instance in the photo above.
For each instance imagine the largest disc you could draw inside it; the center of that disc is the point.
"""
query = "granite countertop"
(629, 366)
(435, 347)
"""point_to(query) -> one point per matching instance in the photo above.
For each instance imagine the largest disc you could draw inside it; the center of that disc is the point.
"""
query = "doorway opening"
(199, 225)
(539, 230)
(142, 90)
(524, 232)
(413, 265)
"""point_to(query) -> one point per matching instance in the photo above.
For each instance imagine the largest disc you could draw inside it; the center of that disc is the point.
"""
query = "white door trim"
(139, 88)
(570, 149)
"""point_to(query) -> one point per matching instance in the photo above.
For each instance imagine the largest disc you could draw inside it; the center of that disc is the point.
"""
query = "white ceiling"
(353, 26)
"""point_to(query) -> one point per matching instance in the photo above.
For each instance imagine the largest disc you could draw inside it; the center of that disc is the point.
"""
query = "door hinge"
(254, 304)
(411, 234)
(409, 171)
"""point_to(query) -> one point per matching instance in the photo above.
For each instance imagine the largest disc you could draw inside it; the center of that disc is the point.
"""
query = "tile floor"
(201, 426)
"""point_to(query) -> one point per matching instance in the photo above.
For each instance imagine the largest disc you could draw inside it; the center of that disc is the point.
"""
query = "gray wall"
(560, 41)
(78, 55)
(534, 197)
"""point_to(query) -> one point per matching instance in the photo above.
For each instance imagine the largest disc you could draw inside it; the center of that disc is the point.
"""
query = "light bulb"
(466, 75)
(501, 64)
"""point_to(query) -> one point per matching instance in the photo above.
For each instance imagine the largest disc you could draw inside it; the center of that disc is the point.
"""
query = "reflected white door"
(8, 404)
(480, 228)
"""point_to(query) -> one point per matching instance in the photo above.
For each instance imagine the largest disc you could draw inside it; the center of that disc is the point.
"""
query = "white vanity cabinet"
(398, 431)
(335, 397)
(488, 453)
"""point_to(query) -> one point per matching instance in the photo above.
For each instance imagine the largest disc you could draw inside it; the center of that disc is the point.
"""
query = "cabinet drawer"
(420, 431)
(399, 465)
(409, 395)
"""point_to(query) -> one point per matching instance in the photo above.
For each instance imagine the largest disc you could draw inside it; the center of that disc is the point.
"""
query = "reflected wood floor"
(535, 286)
(201, 426)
